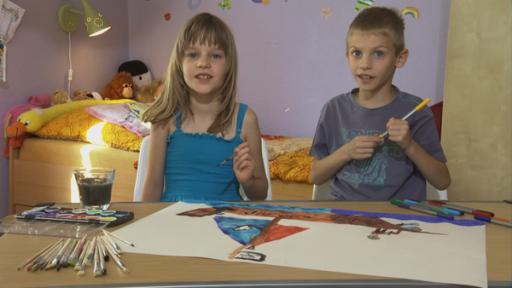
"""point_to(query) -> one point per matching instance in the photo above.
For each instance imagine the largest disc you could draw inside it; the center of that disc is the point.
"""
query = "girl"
(203, 144)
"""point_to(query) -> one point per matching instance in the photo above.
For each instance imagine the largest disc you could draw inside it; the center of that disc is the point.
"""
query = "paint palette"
(76, 215)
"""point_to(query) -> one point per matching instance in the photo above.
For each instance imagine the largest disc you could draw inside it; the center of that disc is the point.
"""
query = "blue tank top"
(193, 165)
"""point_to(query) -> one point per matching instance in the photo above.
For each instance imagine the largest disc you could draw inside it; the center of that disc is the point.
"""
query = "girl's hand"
(362, 147)
(399, 132)
(243, 163)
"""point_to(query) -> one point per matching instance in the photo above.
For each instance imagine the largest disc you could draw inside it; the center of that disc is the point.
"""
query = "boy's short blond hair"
(383, 20)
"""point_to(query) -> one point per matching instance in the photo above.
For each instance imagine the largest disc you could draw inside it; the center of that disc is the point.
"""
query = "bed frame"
(41, 171)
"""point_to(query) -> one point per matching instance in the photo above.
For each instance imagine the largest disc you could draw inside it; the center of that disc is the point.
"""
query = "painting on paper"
(337, 240)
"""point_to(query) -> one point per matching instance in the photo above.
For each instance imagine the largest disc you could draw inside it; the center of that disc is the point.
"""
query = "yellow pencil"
(417, 108)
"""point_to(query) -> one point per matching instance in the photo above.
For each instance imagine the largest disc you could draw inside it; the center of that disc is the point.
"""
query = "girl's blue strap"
(178, 120)
(240, 117)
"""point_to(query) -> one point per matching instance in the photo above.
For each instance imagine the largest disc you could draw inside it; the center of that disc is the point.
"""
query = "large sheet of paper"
(383, 244)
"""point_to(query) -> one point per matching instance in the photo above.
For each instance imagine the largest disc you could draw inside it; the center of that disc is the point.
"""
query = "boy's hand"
(243, 163)
(399, 132)
(362, 147)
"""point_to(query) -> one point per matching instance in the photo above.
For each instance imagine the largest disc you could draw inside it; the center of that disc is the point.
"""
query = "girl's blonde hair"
(201, 29)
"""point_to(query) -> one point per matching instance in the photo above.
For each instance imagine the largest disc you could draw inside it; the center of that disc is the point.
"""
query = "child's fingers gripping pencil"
(417, 108)
(225, 161)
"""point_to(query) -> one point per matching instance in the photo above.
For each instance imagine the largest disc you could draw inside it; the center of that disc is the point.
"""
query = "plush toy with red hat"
(141, 75)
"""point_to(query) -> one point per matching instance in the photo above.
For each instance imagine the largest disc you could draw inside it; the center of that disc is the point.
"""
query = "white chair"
(141, 169)
(321, 192)
(143, 163)
(434, 194)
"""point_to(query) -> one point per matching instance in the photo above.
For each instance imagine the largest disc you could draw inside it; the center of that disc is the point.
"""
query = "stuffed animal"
(59, 97)
(120, 87)
(149, 93)
(140, 73)
(85, 95)
(36, 118)
(15, 134)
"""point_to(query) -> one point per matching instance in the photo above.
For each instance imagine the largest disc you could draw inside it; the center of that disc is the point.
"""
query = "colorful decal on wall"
(411, 11)
(264, 2)
(362, 4)
(193, 4)
(225, 4)
(326, 13)
(10, 18)
(168, 16)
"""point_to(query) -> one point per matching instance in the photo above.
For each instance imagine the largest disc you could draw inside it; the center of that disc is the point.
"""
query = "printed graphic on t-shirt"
(372, 171)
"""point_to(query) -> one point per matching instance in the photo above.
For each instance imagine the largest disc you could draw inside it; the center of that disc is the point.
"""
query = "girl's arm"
(154, 180)
(247, 160)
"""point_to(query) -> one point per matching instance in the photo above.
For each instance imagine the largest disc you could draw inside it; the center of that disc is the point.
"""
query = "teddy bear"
(85, 95)
(149, 93)
(59, 97)
(120, 87)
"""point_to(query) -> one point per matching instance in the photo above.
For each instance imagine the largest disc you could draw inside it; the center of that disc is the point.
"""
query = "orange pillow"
(292, 166)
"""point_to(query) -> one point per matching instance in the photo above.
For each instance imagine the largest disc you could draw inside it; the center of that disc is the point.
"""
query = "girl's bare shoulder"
(165, 127)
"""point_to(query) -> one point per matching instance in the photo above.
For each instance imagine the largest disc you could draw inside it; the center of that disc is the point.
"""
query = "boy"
(347, 146)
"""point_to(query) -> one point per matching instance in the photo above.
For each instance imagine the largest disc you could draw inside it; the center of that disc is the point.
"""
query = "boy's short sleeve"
(319, 147)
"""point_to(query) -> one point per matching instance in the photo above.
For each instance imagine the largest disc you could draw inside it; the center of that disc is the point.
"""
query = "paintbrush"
(417, 108)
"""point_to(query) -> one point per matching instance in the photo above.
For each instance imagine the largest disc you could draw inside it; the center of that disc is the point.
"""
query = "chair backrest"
(143, 163)
(434, 194)
(321, 192)
(141, 169)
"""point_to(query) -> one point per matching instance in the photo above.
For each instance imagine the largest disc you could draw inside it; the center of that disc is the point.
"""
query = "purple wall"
(291, 58)
(37, 58)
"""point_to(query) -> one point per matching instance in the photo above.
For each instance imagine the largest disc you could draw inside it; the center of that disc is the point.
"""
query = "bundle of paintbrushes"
(90, 250)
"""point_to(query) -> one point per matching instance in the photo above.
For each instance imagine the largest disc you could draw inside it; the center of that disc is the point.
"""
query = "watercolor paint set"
(110, 218)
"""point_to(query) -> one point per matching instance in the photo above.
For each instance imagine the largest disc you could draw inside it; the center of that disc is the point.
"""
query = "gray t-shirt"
(389, 173)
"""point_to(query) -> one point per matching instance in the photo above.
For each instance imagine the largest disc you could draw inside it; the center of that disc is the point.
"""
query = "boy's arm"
(435, 171)
(323, 169)
(154, 180)
(248, 162)
(360, 147)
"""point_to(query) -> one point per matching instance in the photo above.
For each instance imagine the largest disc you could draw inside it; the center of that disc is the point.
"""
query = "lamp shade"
(69, 19)
(94, 21)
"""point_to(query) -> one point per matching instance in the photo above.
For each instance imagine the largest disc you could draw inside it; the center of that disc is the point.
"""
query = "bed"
(41, 171)
(36, 169)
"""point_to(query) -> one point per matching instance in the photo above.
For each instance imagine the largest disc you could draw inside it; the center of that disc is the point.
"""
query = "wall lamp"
(69, 19)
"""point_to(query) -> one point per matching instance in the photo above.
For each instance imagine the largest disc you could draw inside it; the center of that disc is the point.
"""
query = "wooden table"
(165, 271)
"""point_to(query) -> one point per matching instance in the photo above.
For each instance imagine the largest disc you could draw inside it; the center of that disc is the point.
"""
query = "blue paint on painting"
(424, 218)
(241, 230)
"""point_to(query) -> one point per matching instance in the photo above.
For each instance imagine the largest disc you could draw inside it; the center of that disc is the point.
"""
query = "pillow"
(78, 125)
(124, 114)
(281, 145)
(292, 166)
